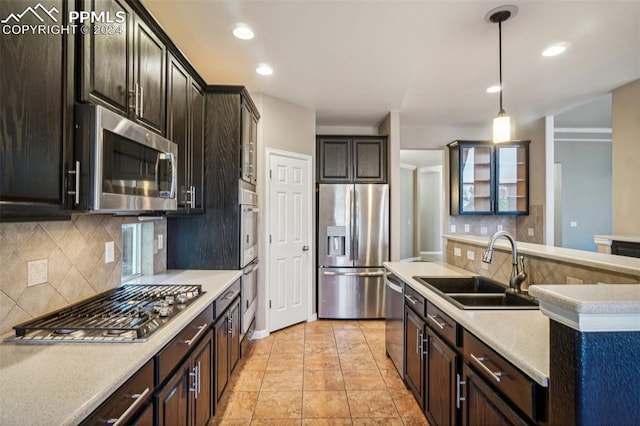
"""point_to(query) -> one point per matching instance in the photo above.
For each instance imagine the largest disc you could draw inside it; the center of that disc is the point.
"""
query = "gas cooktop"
(130, 313)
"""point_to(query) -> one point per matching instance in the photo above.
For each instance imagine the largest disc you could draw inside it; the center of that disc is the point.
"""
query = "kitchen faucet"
(518, 275)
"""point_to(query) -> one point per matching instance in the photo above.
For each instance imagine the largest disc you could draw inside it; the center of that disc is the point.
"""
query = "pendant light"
(502, 122)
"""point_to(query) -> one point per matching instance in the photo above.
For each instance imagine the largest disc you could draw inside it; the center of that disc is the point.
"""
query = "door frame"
(270, 153)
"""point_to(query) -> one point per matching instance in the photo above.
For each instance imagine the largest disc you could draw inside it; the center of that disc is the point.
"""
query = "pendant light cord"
(500, 62)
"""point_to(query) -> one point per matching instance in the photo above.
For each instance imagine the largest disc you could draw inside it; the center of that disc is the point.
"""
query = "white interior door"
(290, 240)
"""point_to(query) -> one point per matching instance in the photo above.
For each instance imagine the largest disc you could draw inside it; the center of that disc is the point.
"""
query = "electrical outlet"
(37, 272)
(160, 241)
(109, 255)
(466, 227)
(573, 224)
(484, 266)
(530, 232)
(457, 251)
(471, 255)
(453, 228)
(483, 230)
(499, 228)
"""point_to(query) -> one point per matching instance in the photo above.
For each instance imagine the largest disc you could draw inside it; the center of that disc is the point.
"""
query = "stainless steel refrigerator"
(353, 241)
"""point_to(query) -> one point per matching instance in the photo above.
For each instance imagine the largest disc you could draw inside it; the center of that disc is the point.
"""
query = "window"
(131, 250)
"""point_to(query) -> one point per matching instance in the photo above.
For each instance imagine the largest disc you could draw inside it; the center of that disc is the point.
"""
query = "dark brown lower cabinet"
(227, 332)
(440, 396)
(186, 399)
(483, 406)
(414, 354)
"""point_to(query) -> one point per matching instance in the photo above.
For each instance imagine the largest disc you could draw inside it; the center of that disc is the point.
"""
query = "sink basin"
(493, 301)
(462, 284)
(478, 293)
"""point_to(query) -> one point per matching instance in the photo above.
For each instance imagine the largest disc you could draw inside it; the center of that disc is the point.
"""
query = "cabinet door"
(414, 355)
(440, 402)
(512, 179)
(36, 113)
(234, 335)
(202, 407)
(475, 179)
(483, 406)
(370, 160)
(172, 401)
(107, 60)
(254, 156)
(196, 111)
(178, 125)
(149, 77)
(222, 355)
(334, 160)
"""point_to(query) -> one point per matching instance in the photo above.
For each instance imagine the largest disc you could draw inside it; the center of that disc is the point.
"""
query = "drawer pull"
(201, 329)
(434, 319)
(497, 375)
(138, 398)
(411, 299)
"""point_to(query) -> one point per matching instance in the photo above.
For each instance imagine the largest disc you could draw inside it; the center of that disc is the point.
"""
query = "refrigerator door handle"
(353, 274)
(352, 194)
(356, 231)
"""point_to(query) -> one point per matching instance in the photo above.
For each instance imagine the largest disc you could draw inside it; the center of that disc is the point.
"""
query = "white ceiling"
(353, 61)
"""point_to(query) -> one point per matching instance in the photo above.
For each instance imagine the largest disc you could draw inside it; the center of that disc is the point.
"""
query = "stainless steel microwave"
(121, 167)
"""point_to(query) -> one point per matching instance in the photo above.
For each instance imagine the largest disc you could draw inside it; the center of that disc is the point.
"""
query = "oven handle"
(251, 209)
(139, 399)
(201, 329)
(353, 274)
(253, 267)
(232, 295)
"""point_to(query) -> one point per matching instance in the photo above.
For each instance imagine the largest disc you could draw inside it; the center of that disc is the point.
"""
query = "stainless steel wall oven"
(249, 261)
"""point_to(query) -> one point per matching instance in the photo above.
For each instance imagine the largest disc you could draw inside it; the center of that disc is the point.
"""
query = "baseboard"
(312, 318)
(259, 334)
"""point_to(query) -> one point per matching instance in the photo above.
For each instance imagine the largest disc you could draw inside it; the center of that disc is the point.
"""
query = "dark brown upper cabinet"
(345, 159)
(185, 127)
(125, 71)
(36, 112)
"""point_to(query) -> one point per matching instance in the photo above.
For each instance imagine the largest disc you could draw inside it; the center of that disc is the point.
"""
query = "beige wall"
(75, 256)
(390, 127)
(535, 132)
(286, 127)
(626, 158)
(437, 137)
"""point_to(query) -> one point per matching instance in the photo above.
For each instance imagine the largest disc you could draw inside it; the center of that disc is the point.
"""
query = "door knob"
(305, 248)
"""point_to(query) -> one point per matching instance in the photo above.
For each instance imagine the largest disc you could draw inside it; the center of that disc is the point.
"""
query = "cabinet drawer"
(128, 401)
(443, 324)
(415, 300)
(501, 375)
(171, 355)
(222, 303)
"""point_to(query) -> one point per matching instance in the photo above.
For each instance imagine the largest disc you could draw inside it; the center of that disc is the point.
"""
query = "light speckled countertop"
(593, 307)
(62, 383)
(626, 238)
(522, 337)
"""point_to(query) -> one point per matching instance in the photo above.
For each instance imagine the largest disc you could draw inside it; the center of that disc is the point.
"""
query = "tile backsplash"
(74, 251)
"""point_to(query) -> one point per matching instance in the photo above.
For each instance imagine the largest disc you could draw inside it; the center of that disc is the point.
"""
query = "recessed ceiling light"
(243, 32)
(264, 69)
(555, 49)
(493, 89)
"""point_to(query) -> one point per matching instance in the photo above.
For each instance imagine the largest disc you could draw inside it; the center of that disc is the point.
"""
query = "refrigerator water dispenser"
(336, 236)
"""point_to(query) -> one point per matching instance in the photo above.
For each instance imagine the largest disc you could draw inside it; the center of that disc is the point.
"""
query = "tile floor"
(318, 373)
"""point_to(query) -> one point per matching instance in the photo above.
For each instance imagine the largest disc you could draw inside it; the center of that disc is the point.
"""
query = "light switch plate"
(453, 228)
(37, 272)
(471, 255)
(530, 232)
(499, 228)
(109, 255)
(457, 251)
(483, 230)
(573, 224)
(160, 241)
(466, 227)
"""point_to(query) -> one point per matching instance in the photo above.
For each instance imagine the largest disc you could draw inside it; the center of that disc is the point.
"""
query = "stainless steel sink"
(462, 284)
(478, 293)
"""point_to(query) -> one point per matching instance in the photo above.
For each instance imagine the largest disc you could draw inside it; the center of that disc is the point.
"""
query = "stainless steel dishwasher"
(394, 320)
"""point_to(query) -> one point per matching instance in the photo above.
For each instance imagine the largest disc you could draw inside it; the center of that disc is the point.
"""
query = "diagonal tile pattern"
(318, 373)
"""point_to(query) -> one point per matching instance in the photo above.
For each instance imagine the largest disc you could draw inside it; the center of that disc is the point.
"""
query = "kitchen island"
(62, 383)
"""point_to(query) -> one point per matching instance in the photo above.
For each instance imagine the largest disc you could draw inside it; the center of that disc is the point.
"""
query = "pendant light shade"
(502, 122)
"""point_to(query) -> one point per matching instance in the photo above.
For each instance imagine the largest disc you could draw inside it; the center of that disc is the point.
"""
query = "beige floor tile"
(244, 380)
(321, 361)
(323, 404)
(239, 405)
(319, 334)
(375, 338)
(348, 334)
(230, 422)
(326, 324)
(352, 347)
(377, 347)
(254, 362)
(278, 405)
(392, 379)
(372, 324)
(383, 361)
(290, 333)
(376, 403)
(372, 421)
(327, 422)
(405, 402)
(345, 324)
(363, 380)
(357, 361)
(415, 421)
(320, 346)
(259, 346)
(276, 422)
(288, 346)
(317, 380)
(289, 362)
(282, 380)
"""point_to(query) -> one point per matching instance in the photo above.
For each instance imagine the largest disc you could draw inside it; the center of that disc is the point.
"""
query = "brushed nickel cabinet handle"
(497, 375)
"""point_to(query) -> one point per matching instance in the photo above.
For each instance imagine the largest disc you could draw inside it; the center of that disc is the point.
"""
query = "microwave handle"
(167, 156)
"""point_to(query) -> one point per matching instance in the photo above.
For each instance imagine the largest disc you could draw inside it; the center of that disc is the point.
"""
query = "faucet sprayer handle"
(487, 256)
